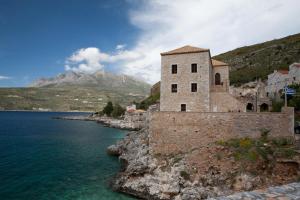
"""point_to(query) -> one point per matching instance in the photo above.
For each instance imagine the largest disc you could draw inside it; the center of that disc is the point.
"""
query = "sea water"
(43, 158)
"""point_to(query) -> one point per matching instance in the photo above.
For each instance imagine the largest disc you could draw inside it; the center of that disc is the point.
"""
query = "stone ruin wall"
(174, 132)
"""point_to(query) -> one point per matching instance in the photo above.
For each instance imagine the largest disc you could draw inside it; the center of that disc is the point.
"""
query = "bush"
(117, 111)
(276, 106)
(108, 109)
(185, 175)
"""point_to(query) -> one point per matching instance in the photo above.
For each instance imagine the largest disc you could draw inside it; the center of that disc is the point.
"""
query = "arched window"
(250, 107)
(217, 79)
(264, 107)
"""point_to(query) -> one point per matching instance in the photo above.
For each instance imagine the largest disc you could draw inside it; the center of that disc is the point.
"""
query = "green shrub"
(264, 134)
(185, 175)
(108, 109)
(177, 159)
(117, 111)
(148, 102)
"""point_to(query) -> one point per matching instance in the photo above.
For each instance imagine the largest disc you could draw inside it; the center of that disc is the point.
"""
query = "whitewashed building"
(280, 78)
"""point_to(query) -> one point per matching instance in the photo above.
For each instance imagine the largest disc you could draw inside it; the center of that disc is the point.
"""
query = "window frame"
(195, 88)
(175, 90)
(175, 69)
(194, 70)
(183, 105)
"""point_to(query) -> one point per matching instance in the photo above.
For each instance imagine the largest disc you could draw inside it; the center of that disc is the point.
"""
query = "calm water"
(42, 158)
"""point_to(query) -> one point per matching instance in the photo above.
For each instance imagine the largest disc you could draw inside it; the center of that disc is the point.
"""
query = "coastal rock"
(147, 177)
(113, 150)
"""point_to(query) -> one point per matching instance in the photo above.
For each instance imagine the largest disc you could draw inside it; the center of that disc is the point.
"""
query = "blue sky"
(37, 35)
(41, 38)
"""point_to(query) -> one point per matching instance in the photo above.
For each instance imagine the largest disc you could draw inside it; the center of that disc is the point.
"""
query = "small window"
(183, 107)
(194, 87)
(194, 68)
(174, 88)
(294, 78)
(174, 69)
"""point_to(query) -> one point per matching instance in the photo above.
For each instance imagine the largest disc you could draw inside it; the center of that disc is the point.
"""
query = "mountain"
(73, 91)
(257, 61)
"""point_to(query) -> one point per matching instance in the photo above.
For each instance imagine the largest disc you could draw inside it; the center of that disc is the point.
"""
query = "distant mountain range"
(257, 61)
(73, 91)
(101, 80)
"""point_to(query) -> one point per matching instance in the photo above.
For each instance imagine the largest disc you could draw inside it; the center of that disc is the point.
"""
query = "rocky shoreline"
(106, 121)
(148, 176)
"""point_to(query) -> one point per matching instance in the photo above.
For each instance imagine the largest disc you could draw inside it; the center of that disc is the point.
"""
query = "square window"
(174, 88)
(183, 107)
(194, 68)
(174, 69)
(194, 87)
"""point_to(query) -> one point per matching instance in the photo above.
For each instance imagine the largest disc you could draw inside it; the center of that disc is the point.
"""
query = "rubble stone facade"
(193, 82)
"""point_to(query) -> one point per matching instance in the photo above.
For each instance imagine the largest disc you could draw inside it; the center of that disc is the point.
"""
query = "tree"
(108, 109)
(117, 110)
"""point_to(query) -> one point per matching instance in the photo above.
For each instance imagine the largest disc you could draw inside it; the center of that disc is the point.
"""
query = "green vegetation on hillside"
(263, 150)
(144, 104)
(257, 61)
(67, 98)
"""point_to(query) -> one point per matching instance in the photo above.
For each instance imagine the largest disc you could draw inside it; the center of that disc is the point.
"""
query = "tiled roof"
(217, 63)
(283, 71)
(184, 49)
(296, 65)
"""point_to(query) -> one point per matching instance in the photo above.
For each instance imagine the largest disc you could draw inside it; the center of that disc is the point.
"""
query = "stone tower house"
(192, 81)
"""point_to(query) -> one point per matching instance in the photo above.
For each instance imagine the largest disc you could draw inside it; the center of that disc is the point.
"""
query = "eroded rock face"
(245, 182)
(197, 174)
(145, 176)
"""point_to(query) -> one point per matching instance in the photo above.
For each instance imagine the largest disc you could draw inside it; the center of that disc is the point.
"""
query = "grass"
(263, 148)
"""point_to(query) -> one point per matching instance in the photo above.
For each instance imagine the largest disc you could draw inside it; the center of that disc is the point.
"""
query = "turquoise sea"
(46, 159)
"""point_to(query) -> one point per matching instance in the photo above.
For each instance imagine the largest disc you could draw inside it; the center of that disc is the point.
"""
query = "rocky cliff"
(214, 170)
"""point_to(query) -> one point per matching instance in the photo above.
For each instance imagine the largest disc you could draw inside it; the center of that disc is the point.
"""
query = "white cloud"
(120, 46)
(4, 77)
(218, 25)
(91, 59)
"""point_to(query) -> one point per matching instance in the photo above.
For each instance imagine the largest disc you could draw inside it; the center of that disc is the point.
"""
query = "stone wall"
(224, 72)
(195, 101)
(225, 102)
(173, 132)
(155, 89)
(135, 120)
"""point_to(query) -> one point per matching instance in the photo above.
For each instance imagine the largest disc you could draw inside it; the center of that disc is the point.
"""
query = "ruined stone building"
(254, 96)
(194, 82)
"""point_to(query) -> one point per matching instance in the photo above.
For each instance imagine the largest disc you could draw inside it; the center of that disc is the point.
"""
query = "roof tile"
(184, 49)
(217, 63)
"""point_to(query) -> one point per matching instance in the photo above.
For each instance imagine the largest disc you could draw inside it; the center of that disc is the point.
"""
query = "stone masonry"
(210, 76)
(175, 132)
(195, 101)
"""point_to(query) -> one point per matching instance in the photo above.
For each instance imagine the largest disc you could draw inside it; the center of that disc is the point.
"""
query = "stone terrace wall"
(173, 132)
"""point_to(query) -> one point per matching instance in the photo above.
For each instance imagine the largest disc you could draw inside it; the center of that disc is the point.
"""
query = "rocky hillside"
(216, 169)
(257, 61)
(74, 92)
